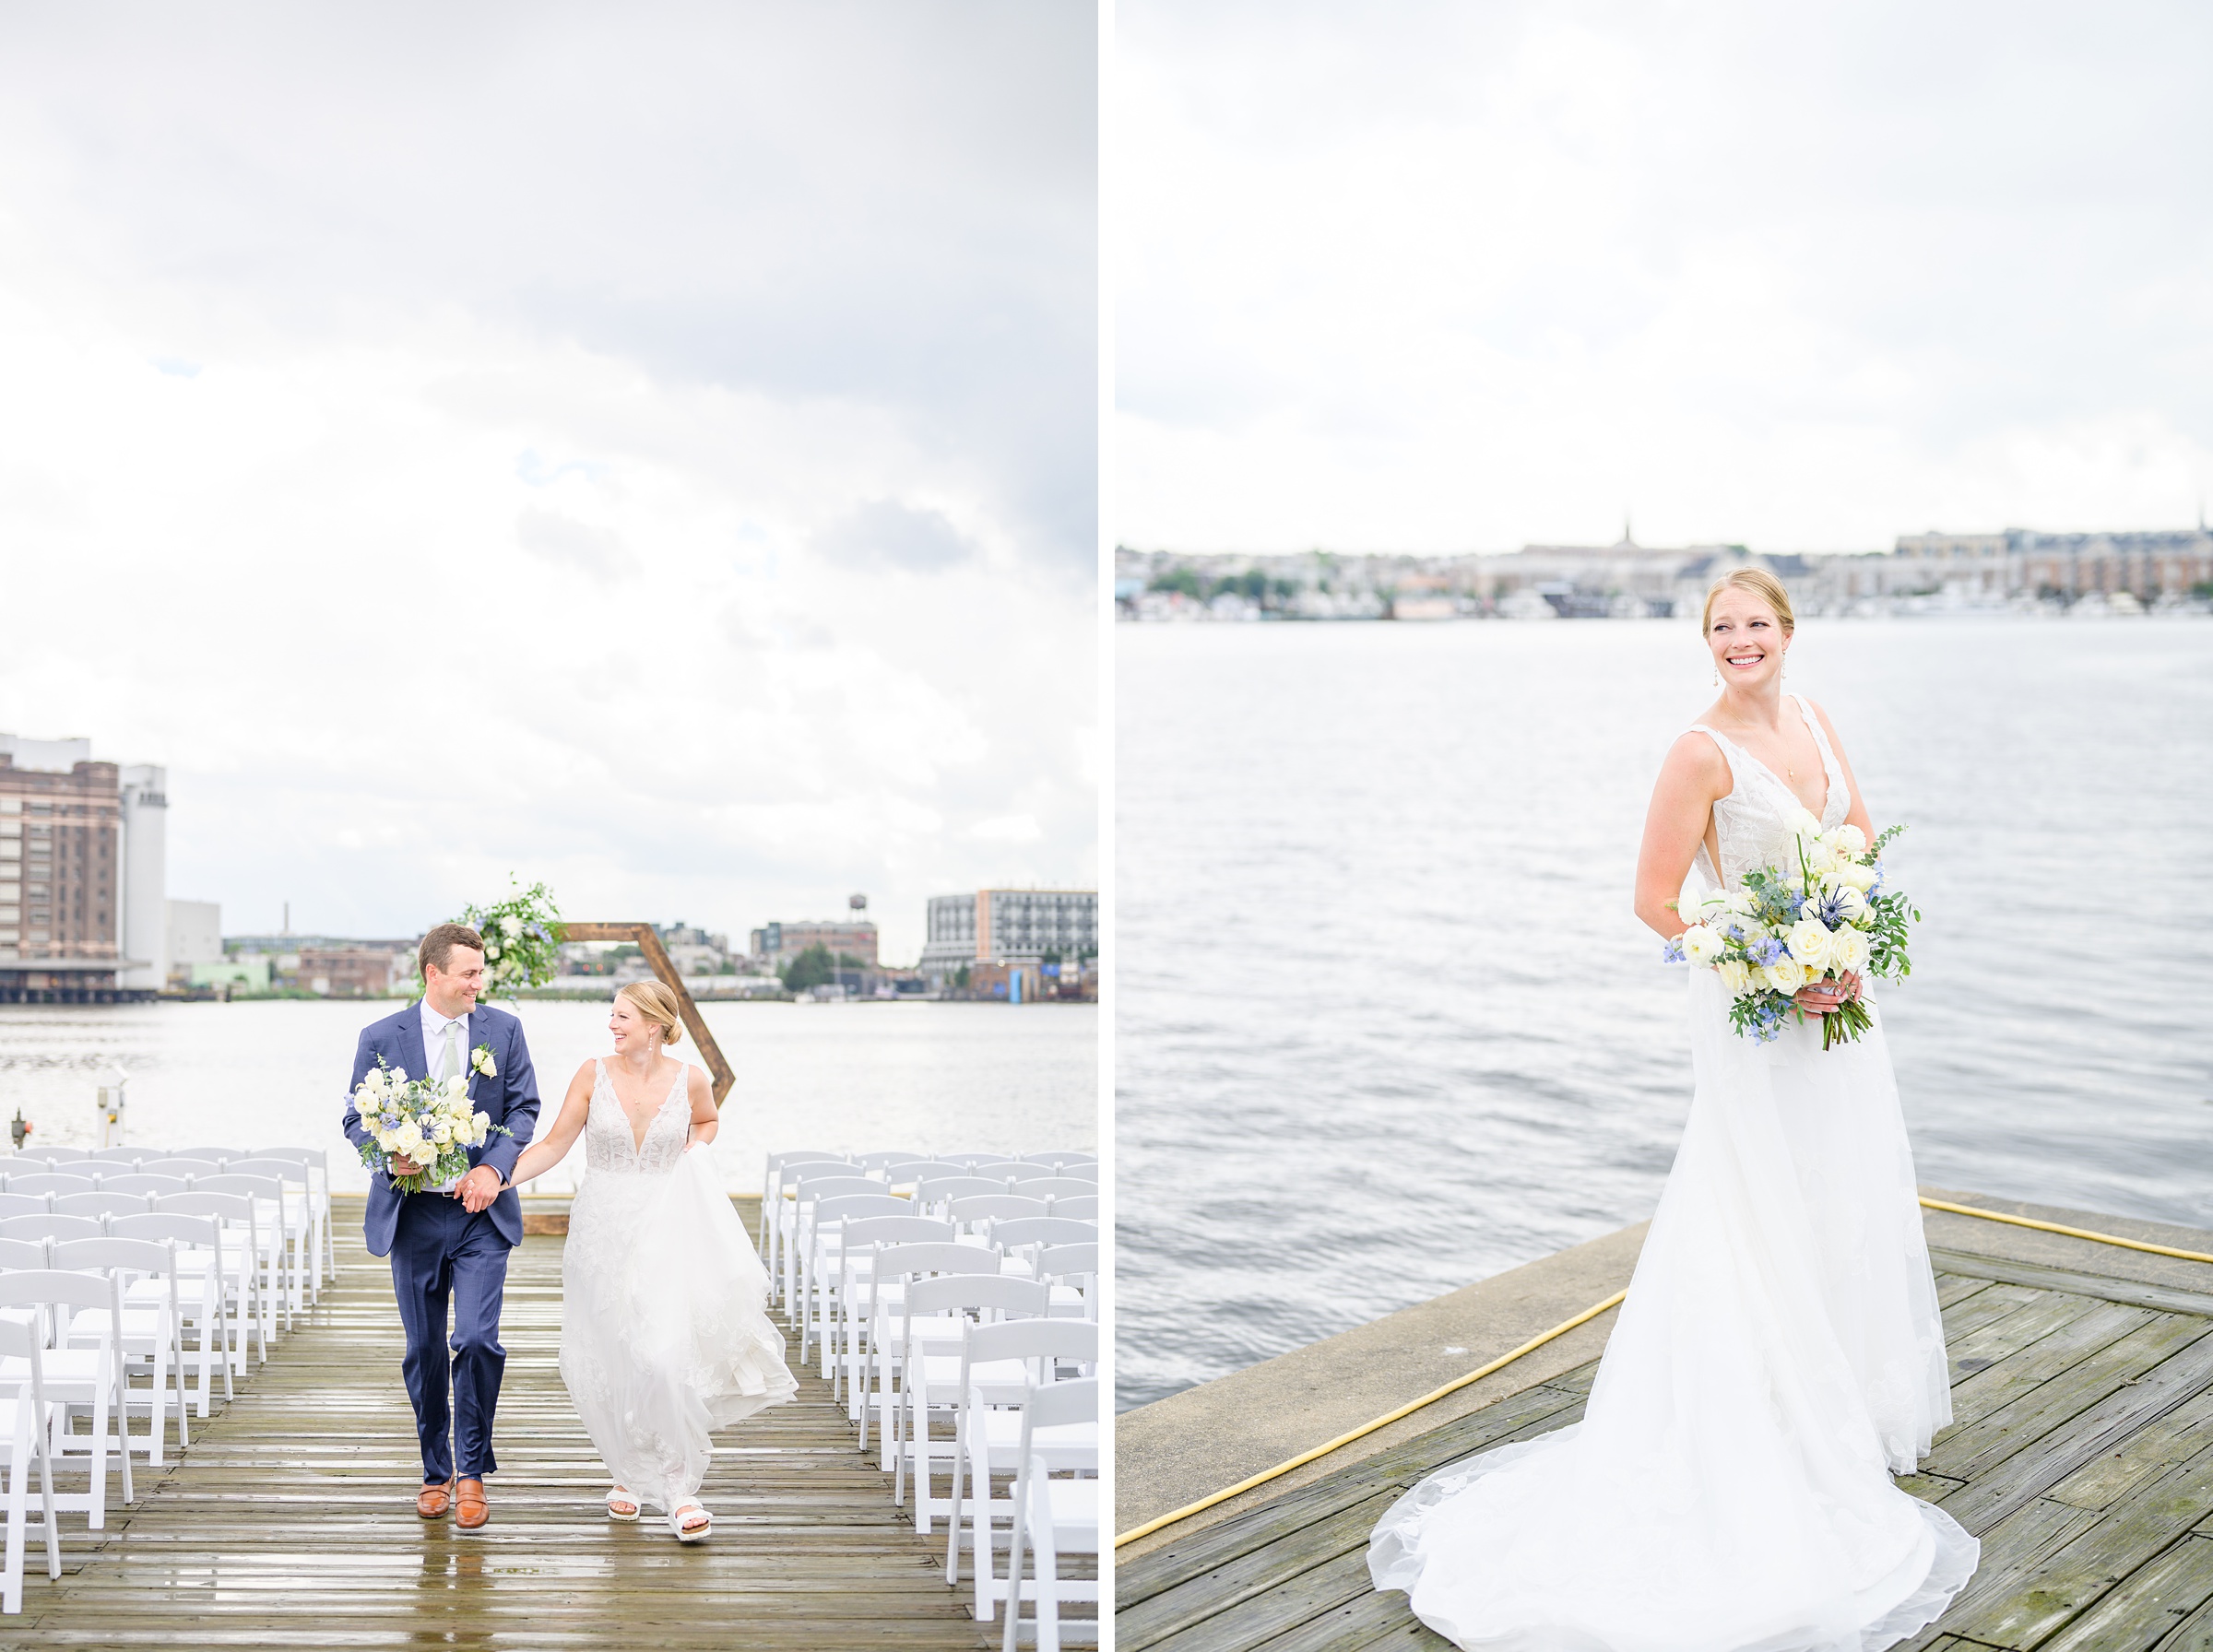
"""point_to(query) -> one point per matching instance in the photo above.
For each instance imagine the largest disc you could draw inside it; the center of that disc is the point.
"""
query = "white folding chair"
(1054, 1188)
(1078, 1209)
(1071, 1273)
(999, 1365)
(214, 1285)
(934, 1195)
(807, 1190)
(26, 1422)
(317, 1162)
(825, 1248)
(18, 1254)
(876, 1164)
(1052, 1515)
(245, 1259)
(86, 1380)
(179, 1165)
(892, 1270)
(61, 1155)
(979, 1210)
(779, 1209)
(119, 1155)
(24, 1204)
(277, 1223)
(46, 1225)
(153, 1186)
(863, 1237)
(219, 1157)
(930, 1365)
(301, 1229)
(152, 1329)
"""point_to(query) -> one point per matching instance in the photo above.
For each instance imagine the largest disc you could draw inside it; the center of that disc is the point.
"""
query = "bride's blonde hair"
(1762, 584)
(656, 1004)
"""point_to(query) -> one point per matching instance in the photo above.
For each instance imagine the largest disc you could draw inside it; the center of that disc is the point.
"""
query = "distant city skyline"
(1425, 277)
(459, 443)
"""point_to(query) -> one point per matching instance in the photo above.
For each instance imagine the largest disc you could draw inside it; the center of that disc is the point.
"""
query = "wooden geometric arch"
(657, 955)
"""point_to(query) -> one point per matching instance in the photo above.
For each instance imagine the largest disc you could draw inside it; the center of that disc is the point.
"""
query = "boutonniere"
(481, 1059)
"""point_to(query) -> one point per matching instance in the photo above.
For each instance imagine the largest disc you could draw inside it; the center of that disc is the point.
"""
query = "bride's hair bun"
(656, 1004)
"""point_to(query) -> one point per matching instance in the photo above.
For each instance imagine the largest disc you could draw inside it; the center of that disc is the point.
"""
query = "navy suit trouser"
(440, 1255)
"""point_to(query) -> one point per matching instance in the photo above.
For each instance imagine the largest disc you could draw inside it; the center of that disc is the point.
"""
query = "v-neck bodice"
(611, 1142)
(1753, 822)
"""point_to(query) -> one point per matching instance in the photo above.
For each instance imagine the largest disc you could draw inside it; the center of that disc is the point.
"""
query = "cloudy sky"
(650, 448)
(1449, 276)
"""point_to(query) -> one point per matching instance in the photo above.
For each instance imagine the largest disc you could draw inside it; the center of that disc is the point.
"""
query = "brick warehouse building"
(82, 898)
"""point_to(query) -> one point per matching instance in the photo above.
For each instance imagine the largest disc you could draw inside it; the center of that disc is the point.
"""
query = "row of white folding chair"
(284, 1187)
(782, 1171)
(314, 1162)
(1002, 1365)
(1062, 1252)
(933, 1320)
(231, 1249)
(27, 1421)
(153, 1315)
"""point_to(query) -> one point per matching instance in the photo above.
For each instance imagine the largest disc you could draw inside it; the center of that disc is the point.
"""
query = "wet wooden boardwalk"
(292, 1523)
(2081, 1454)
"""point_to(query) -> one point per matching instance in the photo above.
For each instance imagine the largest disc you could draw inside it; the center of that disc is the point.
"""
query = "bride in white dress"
(665, 1333)
(1779, 1356)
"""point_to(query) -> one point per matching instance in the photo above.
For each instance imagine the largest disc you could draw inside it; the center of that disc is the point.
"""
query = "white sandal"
(620, 1495)
(690, 1534)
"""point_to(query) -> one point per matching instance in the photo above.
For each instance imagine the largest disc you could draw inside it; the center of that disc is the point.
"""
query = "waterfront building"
(83, 906)
(779, 943)
(1001, 925)
(349, 972)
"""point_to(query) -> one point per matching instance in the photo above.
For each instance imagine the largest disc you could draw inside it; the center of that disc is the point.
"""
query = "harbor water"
(936, 1076)
(1387, 1025)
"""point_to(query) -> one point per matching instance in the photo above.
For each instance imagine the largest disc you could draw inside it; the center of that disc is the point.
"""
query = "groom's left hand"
(479, 1189)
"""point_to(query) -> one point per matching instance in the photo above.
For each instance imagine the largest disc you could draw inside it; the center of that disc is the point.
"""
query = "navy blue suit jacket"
(511, 1098)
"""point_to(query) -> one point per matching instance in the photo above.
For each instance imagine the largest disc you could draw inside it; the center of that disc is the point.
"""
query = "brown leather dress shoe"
(432, 1501)
(471, 1511)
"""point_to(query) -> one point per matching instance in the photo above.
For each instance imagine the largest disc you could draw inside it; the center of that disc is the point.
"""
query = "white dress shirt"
(434, 1051)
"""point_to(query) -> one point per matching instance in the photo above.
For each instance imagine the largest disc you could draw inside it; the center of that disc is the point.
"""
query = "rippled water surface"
(1388, 1026)
(847, 1077)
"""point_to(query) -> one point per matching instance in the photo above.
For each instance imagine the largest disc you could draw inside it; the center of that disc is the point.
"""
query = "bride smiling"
(665, 1335)
(1779, 1356)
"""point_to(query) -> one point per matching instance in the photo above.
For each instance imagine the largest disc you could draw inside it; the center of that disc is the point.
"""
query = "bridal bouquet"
(426, 1121)
(1788, 927)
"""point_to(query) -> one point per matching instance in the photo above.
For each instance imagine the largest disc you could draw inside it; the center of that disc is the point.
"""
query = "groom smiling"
(450, 1244)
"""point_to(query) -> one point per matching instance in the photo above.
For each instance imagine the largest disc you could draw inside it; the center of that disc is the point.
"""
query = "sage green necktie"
(452, 1051)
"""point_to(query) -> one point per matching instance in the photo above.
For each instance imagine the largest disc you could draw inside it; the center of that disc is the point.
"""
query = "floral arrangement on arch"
(522, 938)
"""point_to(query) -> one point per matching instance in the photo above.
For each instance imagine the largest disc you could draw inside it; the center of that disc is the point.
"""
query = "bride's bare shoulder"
(1696, 759)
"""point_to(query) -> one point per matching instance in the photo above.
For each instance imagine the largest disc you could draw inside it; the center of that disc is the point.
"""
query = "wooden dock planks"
(290, 1523)
(2082, 1455)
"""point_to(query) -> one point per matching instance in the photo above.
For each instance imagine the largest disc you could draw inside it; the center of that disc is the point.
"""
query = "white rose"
(1809, 942)
(1858, 875)
(1851, 841)
(1850, 904)
(1806, 823)
(397, 1077)
(456, 1085)
(1736, 975)
(1701, 945)
(443, 1131)
(483, 1123)
(491, 948)
(1787, 976)
(1850, 950)
(510, 925)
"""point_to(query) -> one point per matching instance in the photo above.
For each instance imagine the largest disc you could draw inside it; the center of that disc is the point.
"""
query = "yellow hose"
(1565, 1326)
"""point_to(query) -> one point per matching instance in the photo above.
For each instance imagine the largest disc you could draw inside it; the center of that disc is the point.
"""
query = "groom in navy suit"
(451, 1243)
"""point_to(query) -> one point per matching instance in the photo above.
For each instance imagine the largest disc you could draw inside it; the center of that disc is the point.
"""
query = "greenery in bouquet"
(522, 938)
(428, 1122)
(1788, 928)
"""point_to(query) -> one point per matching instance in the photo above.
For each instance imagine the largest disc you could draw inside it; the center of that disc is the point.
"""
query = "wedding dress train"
(665, 1334)
(1779, 1358)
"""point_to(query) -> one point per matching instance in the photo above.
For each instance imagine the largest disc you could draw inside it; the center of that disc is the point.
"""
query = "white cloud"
(1443, 276)
(532, 353)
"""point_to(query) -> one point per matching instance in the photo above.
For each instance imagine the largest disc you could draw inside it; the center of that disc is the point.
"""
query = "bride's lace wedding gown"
(1779, 1358)
(665, 1333)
